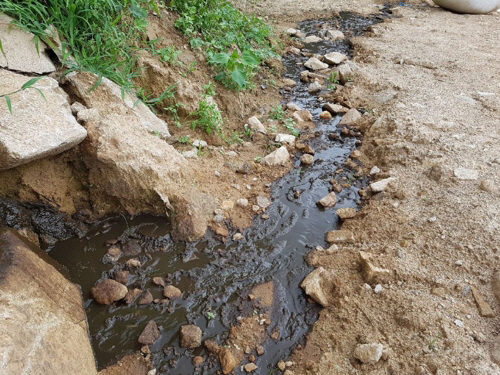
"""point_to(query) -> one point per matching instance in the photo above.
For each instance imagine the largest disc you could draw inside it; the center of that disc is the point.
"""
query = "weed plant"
(101, 35)
(234, 42)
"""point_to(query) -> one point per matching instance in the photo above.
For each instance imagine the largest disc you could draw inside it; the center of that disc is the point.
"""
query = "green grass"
(217, 27)
(101, 35)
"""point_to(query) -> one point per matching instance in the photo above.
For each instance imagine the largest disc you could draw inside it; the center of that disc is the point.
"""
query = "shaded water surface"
(215, 278)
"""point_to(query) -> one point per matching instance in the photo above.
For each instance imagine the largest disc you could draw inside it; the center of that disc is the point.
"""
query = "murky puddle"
(215, 278)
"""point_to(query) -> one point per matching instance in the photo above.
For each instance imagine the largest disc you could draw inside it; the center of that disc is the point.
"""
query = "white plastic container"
(469, 6)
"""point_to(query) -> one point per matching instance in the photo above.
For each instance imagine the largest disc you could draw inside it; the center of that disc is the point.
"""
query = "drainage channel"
(216, 278)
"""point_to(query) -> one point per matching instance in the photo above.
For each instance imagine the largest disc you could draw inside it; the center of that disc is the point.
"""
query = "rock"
(260, 350)
(317, 285)
(133, 263)
(325, 115)
(171, 292)
(212, 346)
(289, 82)
(378, 289)
(335, 58)
(281, 366)
(345, 73)
(122, 277)
(346, 213)
(145, 299)
(371, 273)
(150, 334)
(285, 138)
(132, 295)
(334, 108)
(339, 236)
(487, 185)
(293, 107)
(291, 31)
(369, 353)
(190, 154)
(294, 50)
(312, 39)
(190, 336)
(198, 360)
(237, 237)
(227, 360)
(256, 125)
(314, 87)
(41, 314)
(314, 64)
(350, 117)
(334, 35)
(277, 157)
(484, 308)
(375, 170)
(242, 202)
(160, 281)
(250, 367)
(307, 159)
(263, 202)
(465, 174)
(198, 143)
(328, 201)
(288, 372)
(132, 364)
(380, 186)
(114, 253)
(122, 181)
(36, 128)
(304, 115)
(108, 291)
(227, 205)
(19, 51)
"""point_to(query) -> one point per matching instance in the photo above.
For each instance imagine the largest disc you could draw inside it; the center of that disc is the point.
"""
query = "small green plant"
(172, 110)
(27, 85)
(209, 89)
(190, 69)
(247, 132)
(208, 117)
(184, 139)
(152, 101)
(168, 54)
(277, 113)
(289, 125)
(334, 78)
(235, 70)
(210, 315)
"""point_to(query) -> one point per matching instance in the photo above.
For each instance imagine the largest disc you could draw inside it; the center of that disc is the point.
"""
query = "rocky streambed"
(250, 280)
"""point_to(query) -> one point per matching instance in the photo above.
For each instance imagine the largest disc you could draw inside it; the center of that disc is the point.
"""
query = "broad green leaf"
(220, 58)
(235, 55)
(30, 83)
(9, 104)
(239, 77)
(250, 58)
(219, 77)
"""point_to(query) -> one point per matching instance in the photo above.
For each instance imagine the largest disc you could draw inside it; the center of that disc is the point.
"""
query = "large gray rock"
(314, 64)
(37, 127)
(277, 157)
(43, 329)
(133, 169)
(19, 50)
(319, 285)
(115, 101)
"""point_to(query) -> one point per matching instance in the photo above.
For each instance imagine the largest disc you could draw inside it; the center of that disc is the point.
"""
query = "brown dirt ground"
(430, 82)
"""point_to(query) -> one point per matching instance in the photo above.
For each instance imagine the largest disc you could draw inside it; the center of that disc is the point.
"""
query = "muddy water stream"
(216, 277)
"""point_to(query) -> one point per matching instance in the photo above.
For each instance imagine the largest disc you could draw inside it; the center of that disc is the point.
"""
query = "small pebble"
(459, 323)
(378, 289)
